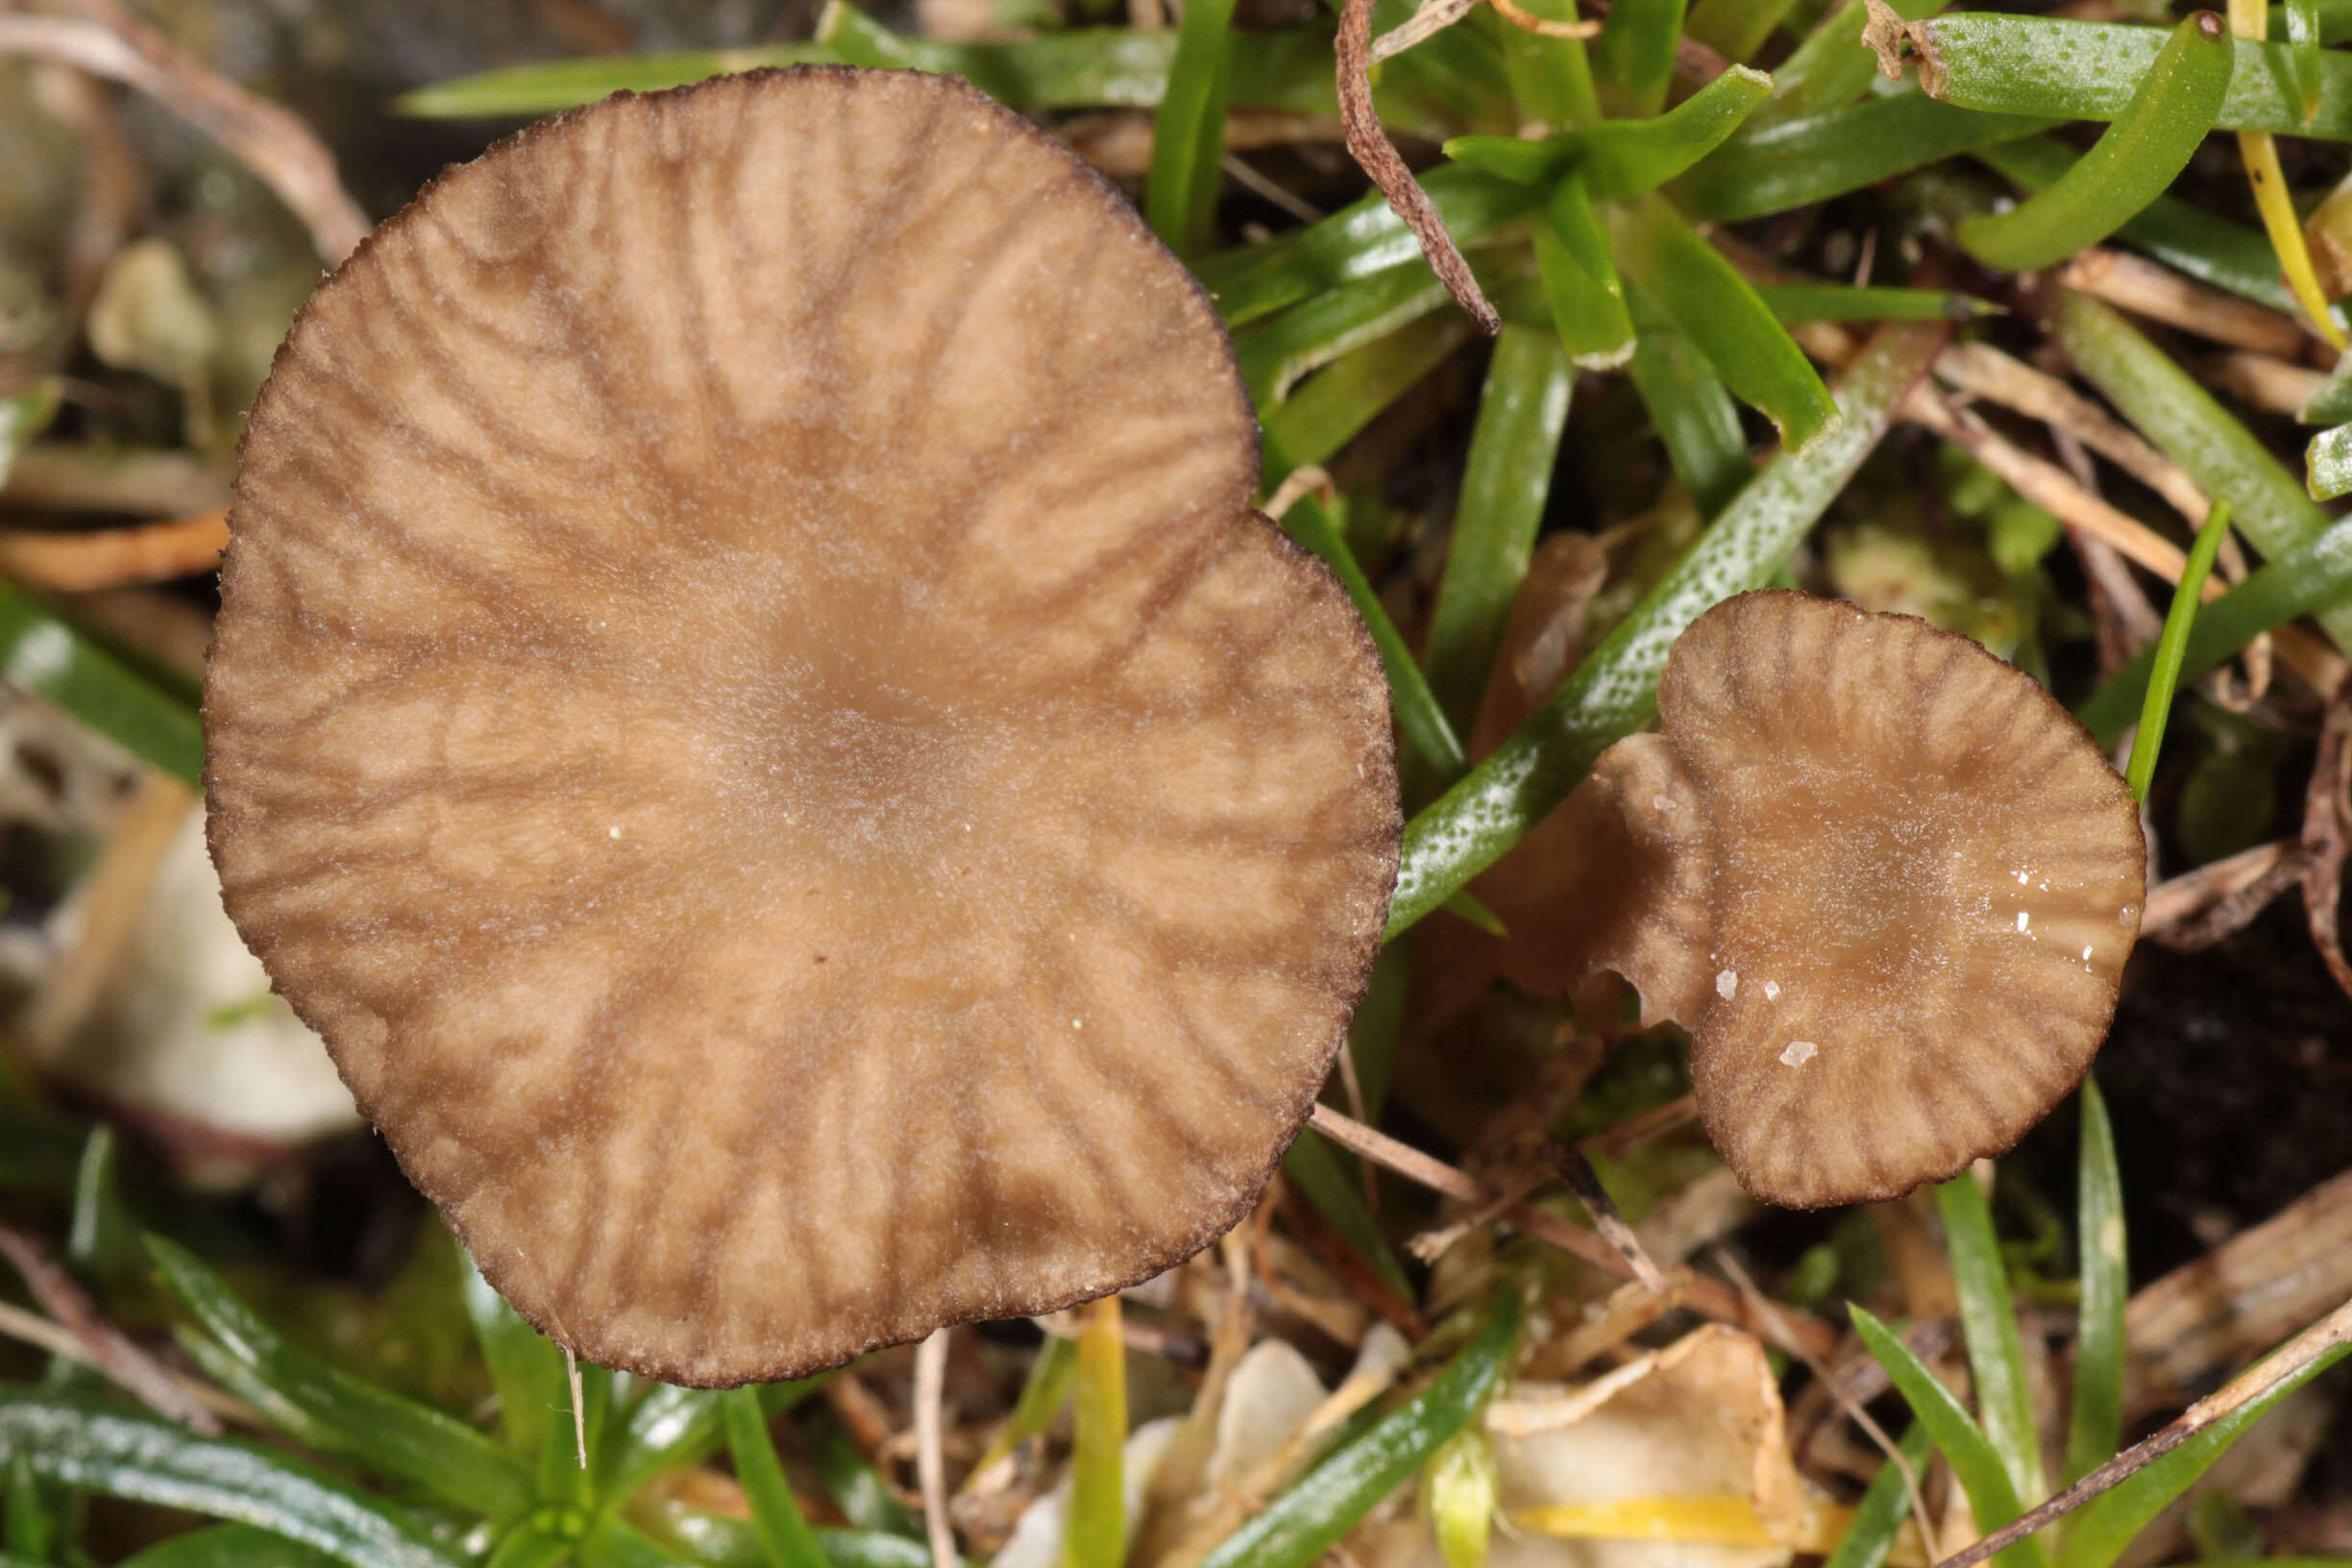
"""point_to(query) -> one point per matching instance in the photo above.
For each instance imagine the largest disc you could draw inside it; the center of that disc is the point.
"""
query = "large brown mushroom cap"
(752, 710)
(1921, 879)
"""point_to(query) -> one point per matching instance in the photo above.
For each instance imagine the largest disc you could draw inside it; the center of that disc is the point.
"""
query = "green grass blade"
(1843, 302)
(1299, 1526)
(2332, 403)
(228, 1546)
(1614, 691)
(1189, 132)
(1332, 408)
(2172, 647)
(1043, 1393)
(1987, 1319)
(77, 1442)
(1735, 29)
(1692, 411)
(1634, 57)
(2094, 1429)
(2307, 579)
(2113, 1520)
(853, 1482)
(2134, 160)
(43, 654)
(1879, 1516)
(2188, 239)
(2303, 36)
(1356, 242)
(2091, 70)
(525, 1367)
(1314, 332)
(1329, 1182)
(335, 1413)
(27, 1532)
(776, 1513)
(1516, 159)
(1973, 1461)
(1831, 67)
(547, 85)
(1097, 1534)
(1581, 290)
(1626, 158)
(2327, 462)
(666, 1427)
(1688, 280)
(2267, 504)
(1506, 482)
(1419, 719)
(1550, 79)
(1795, 163)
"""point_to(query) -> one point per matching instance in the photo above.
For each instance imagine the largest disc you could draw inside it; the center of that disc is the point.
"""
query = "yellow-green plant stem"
(1097, 1533)
(2251, 19)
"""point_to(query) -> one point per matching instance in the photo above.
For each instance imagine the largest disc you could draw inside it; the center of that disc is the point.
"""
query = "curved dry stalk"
(2236, 1394)
(930, 1454)
(277, 145)
(1377, 156)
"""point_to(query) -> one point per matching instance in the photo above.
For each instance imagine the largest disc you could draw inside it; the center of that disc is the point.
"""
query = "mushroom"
(1884, 878)
(752, 710)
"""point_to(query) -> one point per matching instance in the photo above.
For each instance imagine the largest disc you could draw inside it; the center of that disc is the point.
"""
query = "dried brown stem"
(930, 1454)
(74, 563)
(106, 1347)
(1369, 145)
(2198, 908)
(2246, 1389)
(2324, 823)
(1573, 1168)
(108, 40)
(1709, 1298)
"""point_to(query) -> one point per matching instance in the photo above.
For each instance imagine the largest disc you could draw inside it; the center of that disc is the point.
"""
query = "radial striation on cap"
(752, 710)
(1916, 880)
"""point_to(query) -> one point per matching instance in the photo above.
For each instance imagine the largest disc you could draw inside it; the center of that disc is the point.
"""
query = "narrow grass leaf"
(1735, 29)
(1795, 163)
(77, 1442)
(2172, 647)
(526, 1368)
(1318, 331)
(666, 1427)
(1188, 132)
(2112, 1521)
(1043, 1394)
(1622, 158)
(1516, 159)
(1692, 411)
(2268, 504)
(776, 1513)
(228, 1546)
(2134, 160)
(1831, 68)
(1688, 280)
(1356, 242)
(853, 1482)
(1973, 1461)
(1333, 407)
(2332, 404)
(547, 85)
(1845, 302)
(2091, 70)
(1507, 479)
(2188, 239)
(1419, 719)
(1635, 55)
(1878, 1518)
(1299, 1526)
(43, 654)
(1550, 79)
(2305, 35)
(1614, 691)
(1097, 1534)
(1988, 1320)
(2095, 1428)
(333, 1411)
(27, 1532)
(1581, 290)
(1329, 1181)
(2314, 575)
(2327, 463)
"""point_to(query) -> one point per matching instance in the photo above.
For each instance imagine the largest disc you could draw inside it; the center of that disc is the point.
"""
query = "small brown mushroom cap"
(1921, 880)
(752, 709)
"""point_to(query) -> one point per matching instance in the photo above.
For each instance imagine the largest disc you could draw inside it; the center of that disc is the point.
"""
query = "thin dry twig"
(1709, 1298)
(2199, 908)
(108, 40)
(1369, 145)
(2144, 288)
(56, 1339)
(105, 1346)
(1983, 371)
(2246, 1389)
(2325, 817)
(76, 563)
(930, 1454)
(1574, 1170)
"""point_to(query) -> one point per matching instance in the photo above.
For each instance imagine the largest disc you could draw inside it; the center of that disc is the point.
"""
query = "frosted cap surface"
(752, 710)
(1921, 881)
